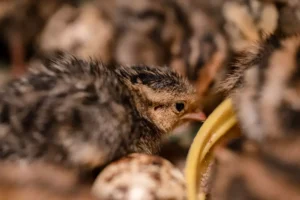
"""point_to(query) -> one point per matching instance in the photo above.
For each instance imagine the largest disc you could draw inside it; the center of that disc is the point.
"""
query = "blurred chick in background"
(248, 21)
(85, 31)
(147, 31)
(21, 21)
(264, 90)
(264, 86)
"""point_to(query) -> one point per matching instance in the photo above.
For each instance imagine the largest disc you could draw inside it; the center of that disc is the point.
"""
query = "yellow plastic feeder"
(220, 125)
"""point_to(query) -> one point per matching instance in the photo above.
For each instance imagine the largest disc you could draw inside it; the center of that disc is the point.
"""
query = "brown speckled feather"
(84, 113)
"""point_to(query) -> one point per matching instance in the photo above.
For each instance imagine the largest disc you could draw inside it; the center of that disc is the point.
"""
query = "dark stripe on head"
(156, 78)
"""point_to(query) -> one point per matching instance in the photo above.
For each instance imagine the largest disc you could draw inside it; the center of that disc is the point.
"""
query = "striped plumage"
(85, 114)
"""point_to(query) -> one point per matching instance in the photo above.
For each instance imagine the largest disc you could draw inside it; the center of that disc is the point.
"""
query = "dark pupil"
(179, 107)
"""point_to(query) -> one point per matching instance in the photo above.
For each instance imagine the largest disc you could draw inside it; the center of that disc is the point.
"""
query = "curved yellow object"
(220, 122)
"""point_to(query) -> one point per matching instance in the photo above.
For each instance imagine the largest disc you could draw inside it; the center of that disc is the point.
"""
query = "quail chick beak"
(195, 116)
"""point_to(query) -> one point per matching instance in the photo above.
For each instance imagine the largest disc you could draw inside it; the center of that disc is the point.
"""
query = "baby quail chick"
(86, 114)
(140, 176)
(264, 85)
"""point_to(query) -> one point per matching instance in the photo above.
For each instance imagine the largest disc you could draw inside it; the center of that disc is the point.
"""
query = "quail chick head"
(264, 85)
(140, 176)
(85, 114)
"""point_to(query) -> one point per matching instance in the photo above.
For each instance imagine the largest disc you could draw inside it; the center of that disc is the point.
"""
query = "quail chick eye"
(179, 107)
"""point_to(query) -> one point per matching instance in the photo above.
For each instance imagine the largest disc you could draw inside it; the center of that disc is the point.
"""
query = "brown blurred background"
(197, 38)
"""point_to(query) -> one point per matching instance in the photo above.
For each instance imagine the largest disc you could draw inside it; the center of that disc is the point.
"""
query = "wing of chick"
(65, 110)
